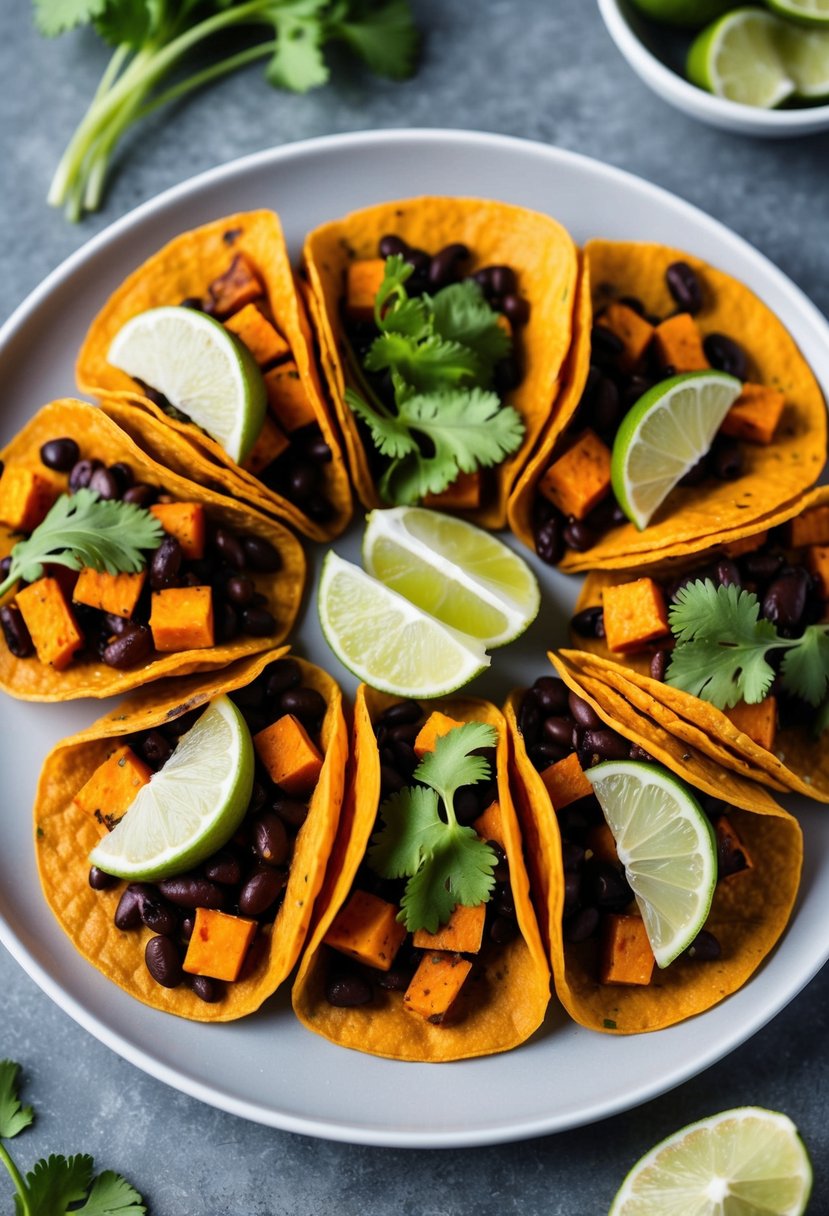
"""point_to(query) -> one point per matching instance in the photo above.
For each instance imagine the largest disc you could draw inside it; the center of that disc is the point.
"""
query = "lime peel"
(737, 58)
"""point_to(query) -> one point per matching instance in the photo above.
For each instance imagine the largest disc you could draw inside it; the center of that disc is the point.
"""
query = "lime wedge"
(744, 1162)
(807, 12)
(453, 570)
(190, 807)
(738, 58)
(666, 845)
(387, 641)
(664, 435)
(691, 14)
(806, 56)
(201, 368)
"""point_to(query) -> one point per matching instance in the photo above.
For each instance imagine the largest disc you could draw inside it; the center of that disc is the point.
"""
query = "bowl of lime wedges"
(760, 69)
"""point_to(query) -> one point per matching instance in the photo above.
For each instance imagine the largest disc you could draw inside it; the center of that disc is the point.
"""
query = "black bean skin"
(572, 855)
(188, 891)
(445, 266)
(467, 805)
(16, 631)
(391, 782)
(685, 287)
(396, 979)
(529, 720)
(549, 541)
(260, 891)
(581, 925)
(230, 549)
(163, 962)
(291, 811)
(502, 930)
(502, 280)
(348, 991)
(516, 309)
(60, 454)
(104, 484)
(610, 888)
(659, 664)
(302, 481)
(257, 622)
(726, 460)
(165, 564)
(704, 948)
(606, 406)
(158, 917)
(224, 868)
(155, 749)
(390, 245)
(606, 744)
(728, 573)
(132, 647)
(583, 713)
(552, 695)
(589, 623)
(206, 988)
(605, 345)
(558, 730)
(281, 676)
(785, 600)
(81, 474)
(401, 714)
(99, 880)
(141, 494)
(579, 536)
(122, 473)
(240, 590)
(545, 754)
(724, 354)
(270, 840)
(128, 911)
(304, 703)
(762, 566)
(639, 753)
(260, 555)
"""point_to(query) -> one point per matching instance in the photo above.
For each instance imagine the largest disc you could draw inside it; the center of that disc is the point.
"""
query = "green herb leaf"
(412, 830)
(383, 35)
(390, 436)
(298, 63)
(54, 17)
(14, 1117)
(459, 871)
(450, 764)
(461, 314)
(805, 667)
(428, 365)
(720, 674)
(57, 1182)
(112, 1195)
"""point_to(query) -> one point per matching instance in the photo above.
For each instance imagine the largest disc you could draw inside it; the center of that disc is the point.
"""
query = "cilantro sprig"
(82, 529)
(722, 645)
(440, 352)
(57, 1186)
(445, 863)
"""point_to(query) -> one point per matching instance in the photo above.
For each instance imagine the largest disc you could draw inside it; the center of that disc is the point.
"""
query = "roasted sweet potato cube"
(758, 721)
(287, 399)
(363, 279)
(186, 522)
(817, 559)
(679, 344)
(565, 781)
(436, 725)
(631, 329)
(579, 480)
(218, 944)
(50, 622)
(366, 928)
(810, 528)
(732, 855)
(235, 288)
(263, 340)
(601, 843)
(435, 986)
(288, 753)
(463, 932)
(755, 414)
(746, 544)
(181, 618)
(26, 498)
(115, 593)
(464, 494)
(271, 442)
(634, 615)
(490, 825)
(112, 788)
(626, 955)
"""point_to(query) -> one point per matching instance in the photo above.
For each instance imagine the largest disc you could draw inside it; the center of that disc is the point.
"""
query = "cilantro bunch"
(445, 863)
(152, 38)
(440, 354)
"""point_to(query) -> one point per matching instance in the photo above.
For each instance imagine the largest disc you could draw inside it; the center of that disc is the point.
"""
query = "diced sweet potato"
(50, 622)
(817, 559)
(626, 955)
(679, 344)
(631, 329)
(112, 788)
(363, 279)
(463, 932)
(288, 753)
(181, 618)
(634, 615)
(218, 944)
(235, 288)
(271, 442)
(436, 725)
(26, 498)
(601, 843)
(579, 480)
(565, 781)
(186, 522)
(366, 928)
(732, 855)
(464, 494)
(810, 528)
(746, 544)
(490, 825)
(755, 414)
(758, 721)
(262, 339)
(287, 399)
(115, 593)
(435, 986)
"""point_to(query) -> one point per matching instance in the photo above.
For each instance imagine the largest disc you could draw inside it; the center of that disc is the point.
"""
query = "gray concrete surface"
(544, 69)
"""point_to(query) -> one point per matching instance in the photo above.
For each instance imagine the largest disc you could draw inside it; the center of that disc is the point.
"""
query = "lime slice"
(691, 14)
(190, 807)
(453, 570)
(807, 12)
(738, 58)
(744, 1162)
(201, 368)
(806, 56)
(667, 846)
(387, 641)
(664, 435)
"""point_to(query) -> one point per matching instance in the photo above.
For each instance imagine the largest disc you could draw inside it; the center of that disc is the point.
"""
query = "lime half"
(664, 435)
(667, 846)
(808, 12)
(744, 1162)
(201, 368)
(387, 641)
(738, 57)
(453, 570)
(190, 807)
(806, 56)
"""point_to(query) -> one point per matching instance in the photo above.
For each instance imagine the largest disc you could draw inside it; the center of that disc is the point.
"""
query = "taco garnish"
(210, 582)
(647, 313)
(443, 324)
(252, 901)
(602, 963)
(237, 271)
(473, 981)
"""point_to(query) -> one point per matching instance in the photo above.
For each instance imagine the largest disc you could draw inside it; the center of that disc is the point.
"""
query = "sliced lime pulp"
(738, 58)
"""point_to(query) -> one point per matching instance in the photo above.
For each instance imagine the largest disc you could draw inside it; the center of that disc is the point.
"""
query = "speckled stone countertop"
(524, 67)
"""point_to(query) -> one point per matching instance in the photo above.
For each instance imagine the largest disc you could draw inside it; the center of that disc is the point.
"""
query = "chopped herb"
(609, 1024)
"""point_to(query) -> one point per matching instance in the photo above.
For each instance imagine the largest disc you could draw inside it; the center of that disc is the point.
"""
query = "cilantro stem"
(17, 1179)
(242, 59)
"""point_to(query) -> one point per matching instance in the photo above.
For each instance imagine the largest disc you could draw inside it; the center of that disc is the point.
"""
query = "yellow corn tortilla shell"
(749, 912)
(506, 1003)
(64, 835)
(185, 267)
(99, 437)
(539, 250)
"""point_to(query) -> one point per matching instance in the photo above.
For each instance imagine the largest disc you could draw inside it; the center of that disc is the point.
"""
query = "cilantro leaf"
(112, 1195)
(459, 871)
(390, 436)
(57, 1182)
(383, 35)
(720, 674)
(450, 764)
(461, 314)
(14, 1117)
(705, 610)
(468, 427)
(805, 668)
(298, 63)
(54, 17)
(429, 365)
(412, 829)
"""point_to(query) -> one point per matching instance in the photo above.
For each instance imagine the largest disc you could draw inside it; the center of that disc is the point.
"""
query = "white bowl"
(651, 50)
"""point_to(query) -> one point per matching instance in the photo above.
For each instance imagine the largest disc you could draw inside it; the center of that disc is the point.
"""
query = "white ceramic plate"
(268, 1068)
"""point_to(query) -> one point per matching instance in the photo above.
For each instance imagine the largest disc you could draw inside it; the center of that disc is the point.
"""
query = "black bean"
(549, 540)
(318, 450)
(516, 309)
(206, 988)
(180, 724)
(122, 473)
(405, 758)
(158, 917)
(785, 600)
(572, 890)
(190, 891)
(606, 744)
(224, 868)
(405, 733)
(529, 720)
(133, 646)
(60, 454)
(257, 622)
(444, 267)
(726, 459)
(583, 713)
(163, 962)
(291, 811)
(578, 535)
(467, 804)
(639, 753)
(605, 345)
(545, 754)
(502, 930)
(155, 749)
(304, 703)
(581, 925)
(606, 406)
(502, 280)
(589, 623)
(728, 573)
(762, 566)
(229, 548)
(696, 474)
(81, 474)
(704, 948)
(635, 388)
(390, 245)
(240, 590)
(402, 712)
(504, 903)
(506, 375)
(141, 494)
(659, 664)
(347, 991)
(194, 302)
(552, 695)
(572, 855)
(634, 303)
(685, 287)
(261, 555)
(226, 622)
(558, 730)
(270, 840)
(165, 564)
(396, 979)
(302, 481)
(282, 675)
(501, 871)
(104, 484)
(261, 891)
(391, 782)
(610, 887)
(725, 355)
(6, 562)
(99, 880)
(128, 912)
(116, 625)
(16, 631)
(574, 820)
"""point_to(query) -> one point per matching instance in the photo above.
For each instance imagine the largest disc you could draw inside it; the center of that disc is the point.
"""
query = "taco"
(237, 270)
(474, 980)
(650, 313)
(216, 581)
(252, 900)
(475, 306)
(602, 962)
(624, 622)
